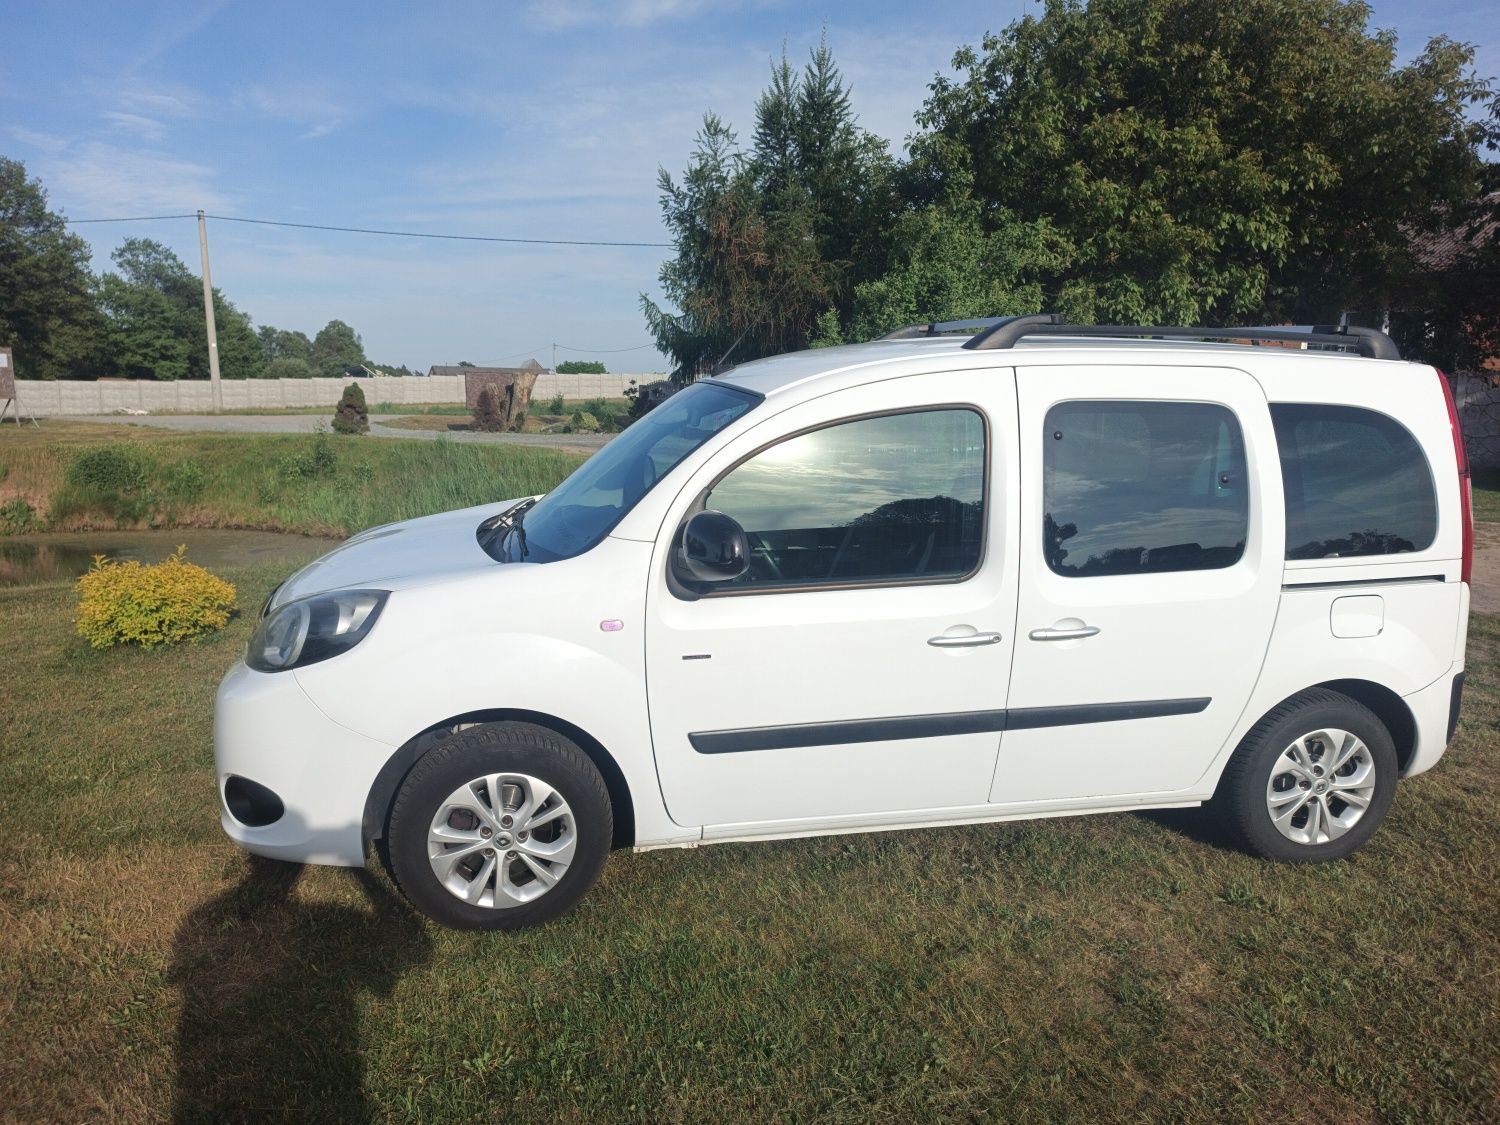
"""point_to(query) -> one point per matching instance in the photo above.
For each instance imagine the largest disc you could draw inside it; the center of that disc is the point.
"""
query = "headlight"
(313, 629)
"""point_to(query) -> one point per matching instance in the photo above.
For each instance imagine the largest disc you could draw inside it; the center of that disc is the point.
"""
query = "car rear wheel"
(500, 827)
(1311, 781)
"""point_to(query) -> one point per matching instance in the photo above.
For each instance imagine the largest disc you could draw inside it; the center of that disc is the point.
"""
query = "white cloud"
(145, 127)
(308, 105)
(557, 14)
(100, 179)
(42, 142)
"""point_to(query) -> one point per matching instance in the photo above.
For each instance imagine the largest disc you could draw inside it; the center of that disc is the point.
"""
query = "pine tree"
(352, 416)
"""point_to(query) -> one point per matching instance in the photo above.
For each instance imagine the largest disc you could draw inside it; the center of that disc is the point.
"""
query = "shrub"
(319, 461)
(170, 601)
(555, 404)
(584, 422)
(186, 480)
(352, 416)
(580, 367)
(113, 479)
(487, 416)
(17, 516)
(519, 425)
(110, 468)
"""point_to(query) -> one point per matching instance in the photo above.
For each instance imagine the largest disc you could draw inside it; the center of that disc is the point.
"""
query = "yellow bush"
(127, 603)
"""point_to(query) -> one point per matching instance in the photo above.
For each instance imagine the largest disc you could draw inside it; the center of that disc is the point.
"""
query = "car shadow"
(1202, 824)
(270, 989)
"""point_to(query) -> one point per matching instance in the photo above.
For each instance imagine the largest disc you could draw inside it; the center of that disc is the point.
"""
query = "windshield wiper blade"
(492, 530)
(517, 522)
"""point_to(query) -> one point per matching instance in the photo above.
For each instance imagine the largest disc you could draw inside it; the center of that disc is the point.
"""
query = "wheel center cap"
(1321, 787)
(502, 841)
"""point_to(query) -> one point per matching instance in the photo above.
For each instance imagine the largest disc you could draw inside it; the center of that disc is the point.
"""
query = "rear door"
(1151, 563)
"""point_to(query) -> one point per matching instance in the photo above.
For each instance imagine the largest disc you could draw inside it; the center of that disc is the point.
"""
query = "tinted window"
(1356, 483)
(877, 499)
(1142, 487)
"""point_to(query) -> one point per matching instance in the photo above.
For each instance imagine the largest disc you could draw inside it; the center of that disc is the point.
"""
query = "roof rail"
(943, 327)
(1368, 342)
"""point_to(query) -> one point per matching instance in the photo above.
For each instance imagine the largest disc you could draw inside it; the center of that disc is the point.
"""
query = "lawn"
(1112, 967)
(315, 484)
(1097, 967)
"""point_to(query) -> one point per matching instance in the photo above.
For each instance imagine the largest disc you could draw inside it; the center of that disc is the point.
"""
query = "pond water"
(26, 560)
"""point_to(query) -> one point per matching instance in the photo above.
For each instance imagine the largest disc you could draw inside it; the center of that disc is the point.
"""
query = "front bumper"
(268, 731)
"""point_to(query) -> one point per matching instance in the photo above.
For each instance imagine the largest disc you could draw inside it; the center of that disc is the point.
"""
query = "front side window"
(1142, 488)
(1356, 483)
(893, 498)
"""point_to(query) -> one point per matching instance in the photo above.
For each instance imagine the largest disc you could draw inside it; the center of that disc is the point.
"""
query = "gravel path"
(309, 423)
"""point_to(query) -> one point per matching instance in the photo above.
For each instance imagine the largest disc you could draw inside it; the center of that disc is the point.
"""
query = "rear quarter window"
(1356, 483)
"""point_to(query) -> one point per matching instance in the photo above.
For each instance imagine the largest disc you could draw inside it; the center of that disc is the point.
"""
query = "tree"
(336, 349)
(765, 240)
(48, 309)
(278, 343)
(944, 265)
(351, 416)
(156, 328)
(581, 367)
(288, 367)
(1206, 162)
(464, 363)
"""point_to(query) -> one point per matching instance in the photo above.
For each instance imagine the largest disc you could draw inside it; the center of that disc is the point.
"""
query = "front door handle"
(1076, 633)
(968, 641)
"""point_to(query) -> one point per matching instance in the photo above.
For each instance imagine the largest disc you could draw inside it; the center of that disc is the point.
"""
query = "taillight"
(1461, 455)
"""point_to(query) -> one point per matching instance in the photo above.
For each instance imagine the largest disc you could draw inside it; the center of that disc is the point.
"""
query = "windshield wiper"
(517, 524)
(492, 531)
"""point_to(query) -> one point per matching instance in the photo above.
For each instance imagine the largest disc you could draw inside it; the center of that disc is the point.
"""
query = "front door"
(1151, 561)
(858, 669)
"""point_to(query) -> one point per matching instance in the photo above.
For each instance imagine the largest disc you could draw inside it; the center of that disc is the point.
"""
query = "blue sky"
(540, 120)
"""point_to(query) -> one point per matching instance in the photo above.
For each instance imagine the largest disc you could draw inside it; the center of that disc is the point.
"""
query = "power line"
(129, 219)
(604, 351)
(372, 230)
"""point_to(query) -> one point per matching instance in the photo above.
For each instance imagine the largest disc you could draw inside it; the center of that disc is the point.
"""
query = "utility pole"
(208, 316)
(554, 359)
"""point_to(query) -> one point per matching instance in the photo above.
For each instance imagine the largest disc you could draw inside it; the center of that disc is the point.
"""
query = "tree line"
(143, 319)
(1120, 161)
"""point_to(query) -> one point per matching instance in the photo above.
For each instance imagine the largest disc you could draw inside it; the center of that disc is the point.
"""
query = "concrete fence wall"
(1479, 414)
(194, 396)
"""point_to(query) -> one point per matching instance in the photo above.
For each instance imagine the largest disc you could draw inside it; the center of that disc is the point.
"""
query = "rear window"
(1356, 483)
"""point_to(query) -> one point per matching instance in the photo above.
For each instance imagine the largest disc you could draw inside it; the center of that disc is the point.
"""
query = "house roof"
(1444, 251)
(457, 369)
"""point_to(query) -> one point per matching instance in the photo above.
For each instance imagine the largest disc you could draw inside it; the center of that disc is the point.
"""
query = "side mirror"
(714, 548)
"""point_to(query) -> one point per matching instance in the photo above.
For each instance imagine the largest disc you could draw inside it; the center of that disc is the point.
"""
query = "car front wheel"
(500, 827)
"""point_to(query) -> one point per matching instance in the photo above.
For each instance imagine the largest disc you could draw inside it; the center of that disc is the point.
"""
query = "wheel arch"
(389, 779)
(1392, 711)
(1389, 708)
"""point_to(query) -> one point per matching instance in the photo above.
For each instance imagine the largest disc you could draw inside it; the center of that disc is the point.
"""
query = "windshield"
(579, 512)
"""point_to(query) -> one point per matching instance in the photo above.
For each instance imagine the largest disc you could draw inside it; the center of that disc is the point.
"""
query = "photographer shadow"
(270, 990)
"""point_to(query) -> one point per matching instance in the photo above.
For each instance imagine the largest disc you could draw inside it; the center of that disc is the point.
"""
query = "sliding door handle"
(969, 641)
(1076, 633)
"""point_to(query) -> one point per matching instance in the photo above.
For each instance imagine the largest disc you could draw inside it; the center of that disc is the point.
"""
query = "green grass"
(1114, 967)
(277, 482)
(1486, 494)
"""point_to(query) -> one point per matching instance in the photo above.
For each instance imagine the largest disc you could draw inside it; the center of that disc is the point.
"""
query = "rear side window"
(1356, 483)
(1142, 488)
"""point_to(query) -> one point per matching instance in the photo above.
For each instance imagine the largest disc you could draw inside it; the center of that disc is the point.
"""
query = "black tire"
(518, 748)
(1242, 796)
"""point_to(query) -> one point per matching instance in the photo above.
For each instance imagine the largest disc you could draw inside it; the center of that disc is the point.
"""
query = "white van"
(934, 579)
